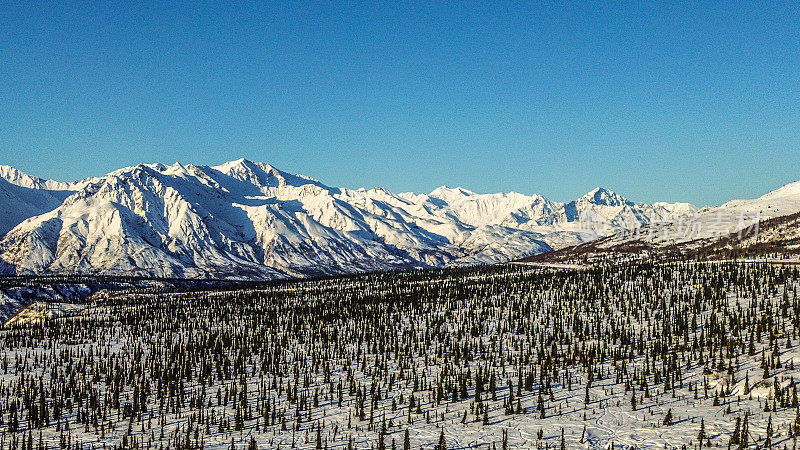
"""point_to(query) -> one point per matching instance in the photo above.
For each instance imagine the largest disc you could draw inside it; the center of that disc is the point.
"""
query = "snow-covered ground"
(690, 339)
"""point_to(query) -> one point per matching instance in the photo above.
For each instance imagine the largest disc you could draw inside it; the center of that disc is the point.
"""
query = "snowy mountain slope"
(775, 239)
(780, 202)
(22, 179)
(18, 203)
(489, 209)
(23, 196)
(235, 220)
(766, 226)
(598, 213)
(244, 219)
(601, 208)
(711, 223)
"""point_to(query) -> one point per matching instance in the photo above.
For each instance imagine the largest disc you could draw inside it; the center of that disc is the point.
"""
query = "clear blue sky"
(681, 102)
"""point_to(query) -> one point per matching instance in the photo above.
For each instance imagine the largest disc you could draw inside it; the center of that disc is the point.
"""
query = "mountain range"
(765, 227)
(249, 220)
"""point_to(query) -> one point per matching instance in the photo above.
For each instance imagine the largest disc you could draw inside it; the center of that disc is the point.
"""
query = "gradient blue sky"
(677, 102)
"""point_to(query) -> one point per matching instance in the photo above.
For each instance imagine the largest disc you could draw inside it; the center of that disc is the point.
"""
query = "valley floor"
(636, 355)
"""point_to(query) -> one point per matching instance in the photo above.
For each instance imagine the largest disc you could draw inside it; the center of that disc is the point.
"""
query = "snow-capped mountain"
(711, 223)
(244, 219)
(22, 179)
(766, 226)
(18, 202)
(600, 213)
(23, 196)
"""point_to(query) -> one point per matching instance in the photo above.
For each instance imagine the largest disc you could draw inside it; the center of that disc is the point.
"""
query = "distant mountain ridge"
(766, 227)
(245, 219)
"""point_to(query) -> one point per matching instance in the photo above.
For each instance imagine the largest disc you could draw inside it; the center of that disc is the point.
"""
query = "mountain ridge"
(245, 219)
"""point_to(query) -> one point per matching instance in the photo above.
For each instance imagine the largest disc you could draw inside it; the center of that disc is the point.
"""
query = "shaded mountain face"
(245, 219)
(23, 196)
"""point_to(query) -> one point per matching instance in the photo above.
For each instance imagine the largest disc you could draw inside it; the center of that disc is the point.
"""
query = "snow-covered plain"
(600, 356)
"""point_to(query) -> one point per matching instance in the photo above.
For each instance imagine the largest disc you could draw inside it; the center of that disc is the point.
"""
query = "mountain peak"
(445, 192)
(20, 178)
(604, 197)
(260, 174)
(241, 163)
(264, 175)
